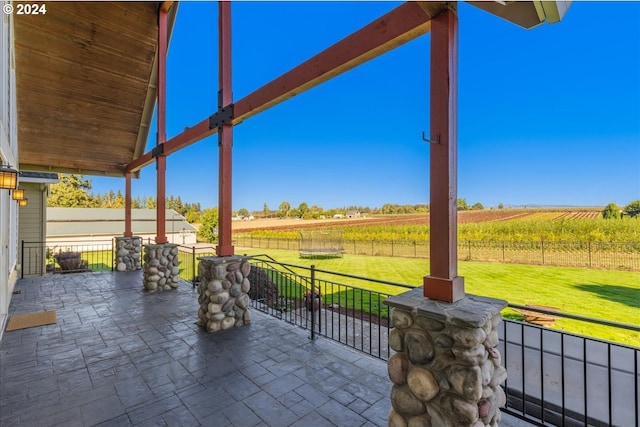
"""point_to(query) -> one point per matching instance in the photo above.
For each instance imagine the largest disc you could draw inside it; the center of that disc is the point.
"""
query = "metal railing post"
(193, 266)
(313, 301)
(22, 261)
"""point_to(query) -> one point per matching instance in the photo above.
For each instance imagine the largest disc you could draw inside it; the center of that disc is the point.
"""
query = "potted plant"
(313, 302)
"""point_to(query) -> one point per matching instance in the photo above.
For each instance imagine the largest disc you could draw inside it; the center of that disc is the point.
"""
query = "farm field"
(601, 294)
(486, 225)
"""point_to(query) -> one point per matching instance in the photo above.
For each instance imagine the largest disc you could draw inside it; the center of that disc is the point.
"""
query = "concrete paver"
(119, 356)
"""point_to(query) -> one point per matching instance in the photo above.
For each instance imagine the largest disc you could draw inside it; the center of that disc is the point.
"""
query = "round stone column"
(223, 292)
(128, 253)
(447, 369)
(161, 272)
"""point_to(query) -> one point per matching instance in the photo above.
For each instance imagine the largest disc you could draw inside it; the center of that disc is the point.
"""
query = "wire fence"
(602, 255)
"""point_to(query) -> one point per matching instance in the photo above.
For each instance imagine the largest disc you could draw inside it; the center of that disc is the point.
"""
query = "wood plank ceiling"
(86, 85)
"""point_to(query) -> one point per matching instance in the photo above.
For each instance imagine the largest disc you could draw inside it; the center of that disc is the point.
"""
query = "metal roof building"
(106, 223)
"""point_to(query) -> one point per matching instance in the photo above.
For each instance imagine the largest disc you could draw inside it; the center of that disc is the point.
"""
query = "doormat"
(30, 320)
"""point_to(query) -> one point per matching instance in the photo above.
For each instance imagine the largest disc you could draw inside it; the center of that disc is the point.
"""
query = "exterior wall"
(32, 226)
(8, 154)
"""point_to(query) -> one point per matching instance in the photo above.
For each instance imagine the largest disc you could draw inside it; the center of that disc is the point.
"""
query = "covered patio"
(119, 356)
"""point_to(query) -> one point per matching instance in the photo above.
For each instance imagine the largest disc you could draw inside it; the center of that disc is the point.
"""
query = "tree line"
(304, 211)
(613, 211)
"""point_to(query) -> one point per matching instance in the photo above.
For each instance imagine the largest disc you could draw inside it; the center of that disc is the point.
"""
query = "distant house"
(353, 214)
(68, 225)
(338, 216)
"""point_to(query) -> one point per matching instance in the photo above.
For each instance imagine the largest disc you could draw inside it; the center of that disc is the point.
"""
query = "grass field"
(602, 294)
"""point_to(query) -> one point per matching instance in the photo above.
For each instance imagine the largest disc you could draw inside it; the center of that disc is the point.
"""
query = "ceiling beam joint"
(223, 116)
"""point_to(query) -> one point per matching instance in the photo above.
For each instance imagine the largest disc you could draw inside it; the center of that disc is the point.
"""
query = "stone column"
(161, 270)
(447, 370)
(128, 253)
(223, 292)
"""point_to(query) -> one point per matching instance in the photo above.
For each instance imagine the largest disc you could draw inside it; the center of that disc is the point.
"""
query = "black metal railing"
(604, 255)
(555, 378)
(38, 258)
(562, 379)
(312, 298)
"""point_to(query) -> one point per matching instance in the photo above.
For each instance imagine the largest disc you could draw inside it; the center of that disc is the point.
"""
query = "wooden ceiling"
(86, 85)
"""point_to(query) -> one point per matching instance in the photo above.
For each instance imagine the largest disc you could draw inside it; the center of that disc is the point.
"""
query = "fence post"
(415, 253)
(371, 247)
(113, 255)
(589, 253)
(354, 247)
(503, 250)
(313, 301)
(193, 266)
(542, 246)
(391, 247)
(469, 245)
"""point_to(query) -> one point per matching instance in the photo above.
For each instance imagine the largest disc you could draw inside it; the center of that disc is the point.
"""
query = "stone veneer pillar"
(128, 253)
(447, 370)
(161, 270)
(223, 292)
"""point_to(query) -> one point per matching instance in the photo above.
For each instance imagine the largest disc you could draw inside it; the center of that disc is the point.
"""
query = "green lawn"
(603, 294)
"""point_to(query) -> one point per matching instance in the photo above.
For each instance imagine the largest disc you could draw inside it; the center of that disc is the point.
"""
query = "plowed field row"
(421, 219)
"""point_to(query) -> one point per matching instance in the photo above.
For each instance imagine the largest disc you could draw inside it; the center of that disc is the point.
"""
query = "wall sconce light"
(23, 202)
(18, 194)
(8, 177)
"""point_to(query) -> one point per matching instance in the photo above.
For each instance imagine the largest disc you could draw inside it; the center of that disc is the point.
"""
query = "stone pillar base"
(161, 270)
(128, 253)
(223, 292)
(447, 370)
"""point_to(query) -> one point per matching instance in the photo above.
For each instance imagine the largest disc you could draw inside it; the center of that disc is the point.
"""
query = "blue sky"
(547, 116)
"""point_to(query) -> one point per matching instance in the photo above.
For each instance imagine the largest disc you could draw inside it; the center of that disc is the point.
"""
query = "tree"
(462, 205)
(192, 216)
(478, 206)
(283, 209)
(611, 211)
(302, 209)
(243, 212)
(632, 209)
(150, 202)
(500, 206)
(265, 210)
(208, 231)
(71, 191)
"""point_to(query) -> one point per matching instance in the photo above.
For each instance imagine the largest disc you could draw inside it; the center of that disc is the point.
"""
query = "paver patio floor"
(119, 356)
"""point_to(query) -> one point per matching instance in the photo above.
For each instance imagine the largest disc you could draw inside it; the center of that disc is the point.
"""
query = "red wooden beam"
(127, 205)
(189, 136)
(225, 135)
(161, 160)
(404, 23)
(443, 282)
